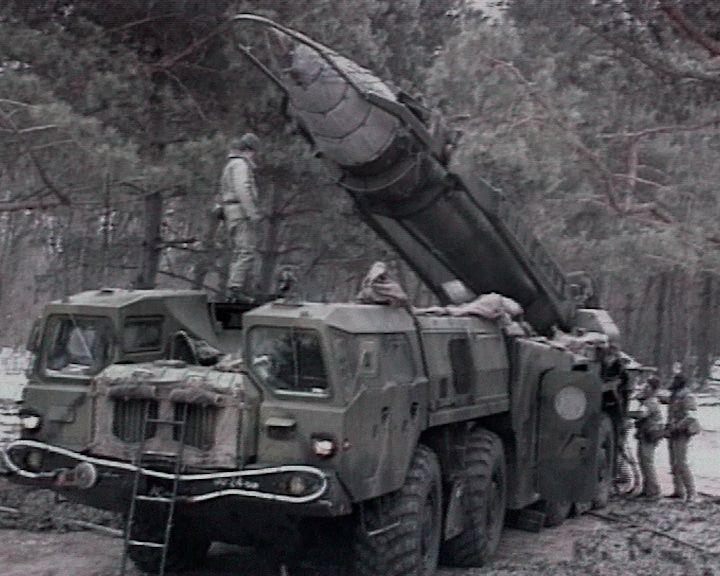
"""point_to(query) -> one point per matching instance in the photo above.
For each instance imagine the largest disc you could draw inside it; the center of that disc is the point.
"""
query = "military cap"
(248, 141)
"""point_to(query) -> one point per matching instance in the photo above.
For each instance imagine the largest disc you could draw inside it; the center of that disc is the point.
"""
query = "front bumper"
(103, 483)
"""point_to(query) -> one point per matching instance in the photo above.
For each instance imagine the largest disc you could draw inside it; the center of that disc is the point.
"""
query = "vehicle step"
(153, 498)
(146, 544)
(157, 454)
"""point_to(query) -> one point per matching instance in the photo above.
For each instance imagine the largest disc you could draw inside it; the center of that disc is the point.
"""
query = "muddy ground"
(588, 545)
(633, 537)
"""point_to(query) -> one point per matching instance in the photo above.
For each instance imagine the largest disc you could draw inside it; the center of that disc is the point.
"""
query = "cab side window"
(142, 334)
(288, 359)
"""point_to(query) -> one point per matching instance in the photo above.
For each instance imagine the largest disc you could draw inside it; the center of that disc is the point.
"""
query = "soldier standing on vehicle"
(681, 426)
(239, 209)
(649, 431)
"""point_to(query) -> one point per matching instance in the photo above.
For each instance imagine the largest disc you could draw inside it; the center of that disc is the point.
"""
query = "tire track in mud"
(683, 539)
(616, 519)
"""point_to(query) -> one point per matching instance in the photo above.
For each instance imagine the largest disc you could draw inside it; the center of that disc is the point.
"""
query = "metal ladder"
(138, 495)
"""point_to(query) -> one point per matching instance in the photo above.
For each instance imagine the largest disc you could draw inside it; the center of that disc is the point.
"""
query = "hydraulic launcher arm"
(392, 155)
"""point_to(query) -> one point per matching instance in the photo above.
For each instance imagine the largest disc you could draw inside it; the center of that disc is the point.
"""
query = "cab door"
(569, 423)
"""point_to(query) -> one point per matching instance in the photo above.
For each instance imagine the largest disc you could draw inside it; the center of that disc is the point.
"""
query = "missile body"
(392, 153)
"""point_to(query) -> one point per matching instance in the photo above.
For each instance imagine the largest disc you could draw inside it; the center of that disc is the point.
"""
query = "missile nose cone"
(281, 47)
(327, 95)
(298, 63)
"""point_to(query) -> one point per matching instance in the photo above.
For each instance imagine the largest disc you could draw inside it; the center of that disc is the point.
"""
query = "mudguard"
(569, 421)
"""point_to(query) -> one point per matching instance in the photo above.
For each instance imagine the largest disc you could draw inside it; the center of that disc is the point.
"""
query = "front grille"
(128, 418)
(199, 424)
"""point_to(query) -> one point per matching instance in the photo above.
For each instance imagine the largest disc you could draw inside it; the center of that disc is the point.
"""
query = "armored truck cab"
(76, 338)
(342, 411)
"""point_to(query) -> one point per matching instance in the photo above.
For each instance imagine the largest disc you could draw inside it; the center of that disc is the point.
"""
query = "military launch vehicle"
(410, 433)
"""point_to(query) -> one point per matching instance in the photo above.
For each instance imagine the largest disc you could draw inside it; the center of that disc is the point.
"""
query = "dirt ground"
(586, 545)
(634, 537)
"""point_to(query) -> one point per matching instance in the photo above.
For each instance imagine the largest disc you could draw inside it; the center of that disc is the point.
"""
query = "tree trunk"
(209, 253)
(86, 279)
(659, 341)
(271, 245)
(704, 321)
(643, 329)
(152, 242)
(153, 202)
(676, 347)
(106, 226)
(6, 249)
(627, 321)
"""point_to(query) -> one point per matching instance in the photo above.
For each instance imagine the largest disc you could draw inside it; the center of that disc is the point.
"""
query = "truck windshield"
(76, 346)
(288, 359)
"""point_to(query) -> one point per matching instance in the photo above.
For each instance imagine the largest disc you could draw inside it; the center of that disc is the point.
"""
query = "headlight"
(297, 485)
(324, 447)
(31, 422)
(571, 403)
(34, 460)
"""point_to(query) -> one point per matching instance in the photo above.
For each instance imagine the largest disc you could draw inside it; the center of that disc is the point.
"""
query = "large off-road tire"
(485, 500)
(411, 547)
(187, 548)
(606, 461)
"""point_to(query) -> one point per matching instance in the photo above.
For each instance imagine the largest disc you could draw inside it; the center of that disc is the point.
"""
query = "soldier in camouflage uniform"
(650, 429)
(239, 209)
(681, 426)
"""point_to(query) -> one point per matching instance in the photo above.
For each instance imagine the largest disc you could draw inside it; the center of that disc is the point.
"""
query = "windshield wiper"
(83, 341)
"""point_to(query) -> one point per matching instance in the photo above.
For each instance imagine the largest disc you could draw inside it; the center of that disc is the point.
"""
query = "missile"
(370, 131)
(392, 154)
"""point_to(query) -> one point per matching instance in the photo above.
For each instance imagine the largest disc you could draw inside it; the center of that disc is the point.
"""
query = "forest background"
(599, 118)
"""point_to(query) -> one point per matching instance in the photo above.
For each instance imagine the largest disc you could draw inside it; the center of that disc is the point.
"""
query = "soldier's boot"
(651, 487)
(624, 473)
(678, 485)
(689, 482)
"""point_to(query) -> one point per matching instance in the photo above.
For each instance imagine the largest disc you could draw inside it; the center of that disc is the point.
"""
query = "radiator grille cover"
(128, 417)
(200, 423)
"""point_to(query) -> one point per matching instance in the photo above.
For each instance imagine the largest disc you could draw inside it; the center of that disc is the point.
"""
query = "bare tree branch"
(22, 206)
(62, 196)
(15, 103)
(30, 129)
(658, 67)
(608, 178)
(571, 135)
(683, 25)
(175, 242)
(187, 91)
(632, 173)
(712, 123)
(177, 276)
(142, 21)
(639, 180)
(171, 60)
